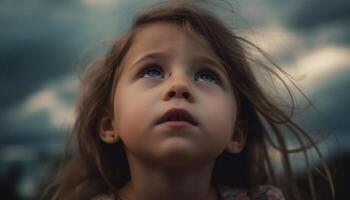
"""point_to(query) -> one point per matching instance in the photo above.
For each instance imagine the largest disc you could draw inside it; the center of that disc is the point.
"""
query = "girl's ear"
(237, 143)
(107, 131)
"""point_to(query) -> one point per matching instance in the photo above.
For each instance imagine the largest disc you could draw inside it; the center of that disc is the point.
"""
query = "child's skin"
(168, 162)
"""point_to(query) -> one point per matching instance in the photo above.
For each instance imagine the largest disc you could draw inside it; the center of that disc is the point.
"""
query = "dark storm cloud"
(337, 113)
(34, 48)
(34, 130)
(42, 40)
(25, 66)
(321, 20)
(332, 104)
(36, 138)
(40, 43)
(316, 13)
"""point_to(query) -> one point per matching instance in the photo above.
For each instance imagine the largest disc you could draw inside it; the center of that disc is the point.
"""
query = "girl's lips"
(186, 117)
(177, 124)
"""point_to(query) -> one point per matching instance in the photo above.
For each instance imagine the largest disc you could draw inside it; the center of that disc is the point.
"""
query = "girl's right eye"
(151, 72)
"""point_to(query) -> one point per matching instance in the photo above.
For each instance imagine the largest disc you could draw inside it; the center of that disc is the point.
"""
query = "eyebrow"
(197, 59)
(152, 55)
(211, 62)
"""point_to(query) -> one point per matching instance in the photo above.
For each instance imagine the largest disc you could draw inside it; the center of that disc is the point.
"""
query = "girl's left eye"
(152, 72)
(208, 76)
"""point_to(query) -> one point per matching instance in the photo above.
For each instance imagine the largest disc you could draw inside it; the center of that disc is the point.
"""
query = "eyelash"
(150, 67)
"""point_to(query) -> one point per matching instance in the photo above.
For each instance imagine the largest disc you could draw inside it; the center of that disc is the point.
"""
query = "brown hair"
(96, 167)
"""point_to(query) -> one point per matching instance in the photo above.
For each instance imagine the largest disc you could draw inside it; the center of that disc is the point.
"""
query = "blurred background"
(42, 42)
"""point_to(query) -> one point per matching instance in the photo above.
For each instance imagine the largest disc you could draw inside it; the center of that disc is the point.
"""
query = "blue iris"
(208, 77)
(152, 73)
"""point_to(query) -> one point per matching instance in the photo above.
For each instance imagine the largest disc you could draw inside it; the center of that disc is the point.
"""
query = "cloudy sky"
(42, 41)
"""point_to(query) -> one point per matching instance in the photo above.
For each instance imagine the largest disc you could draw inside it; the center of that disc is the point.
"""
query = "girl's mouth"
(177, 117)
(177, 124)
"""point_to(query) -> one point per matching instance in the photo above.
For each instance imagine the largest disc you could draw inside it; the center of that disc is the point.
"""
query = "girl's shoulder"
(262, 192)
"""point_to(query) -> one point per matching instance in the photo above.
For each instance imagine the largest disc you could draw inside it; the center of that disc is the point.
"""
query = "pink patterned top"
(263, 192)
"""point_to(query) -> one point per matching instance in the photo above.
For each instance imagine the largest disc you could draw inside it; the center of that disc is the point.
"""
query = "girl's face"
(166, 68)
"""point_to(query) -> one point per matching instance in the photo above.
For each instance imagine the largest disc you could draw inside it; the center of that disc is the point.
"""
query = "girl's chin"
(176, 158)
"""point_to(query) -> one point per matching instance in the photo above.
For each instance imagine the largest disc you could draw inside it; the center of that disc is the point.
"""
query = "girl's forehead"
(169, 36)
(166, 37)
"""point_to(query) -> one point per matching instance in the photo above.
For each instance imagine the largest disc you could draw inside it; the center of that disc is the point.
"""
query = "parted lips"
(177, 114)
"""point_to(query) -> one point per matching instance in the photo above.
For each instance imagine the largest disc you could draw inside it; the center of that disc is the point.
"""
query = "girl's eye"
(207, 76)
(151, 72)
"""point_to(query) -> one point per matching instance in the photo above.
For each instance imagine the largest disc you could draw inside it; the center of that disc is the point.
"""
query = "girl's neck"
(150, 183)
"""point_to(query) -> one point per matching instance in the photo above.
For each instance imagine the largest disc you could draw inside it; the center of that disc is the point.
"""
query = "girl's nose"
(179, 88)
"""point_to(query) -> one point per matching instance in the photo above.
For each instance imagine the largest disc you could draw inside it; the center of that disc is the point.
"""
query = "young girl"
(174, 111)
